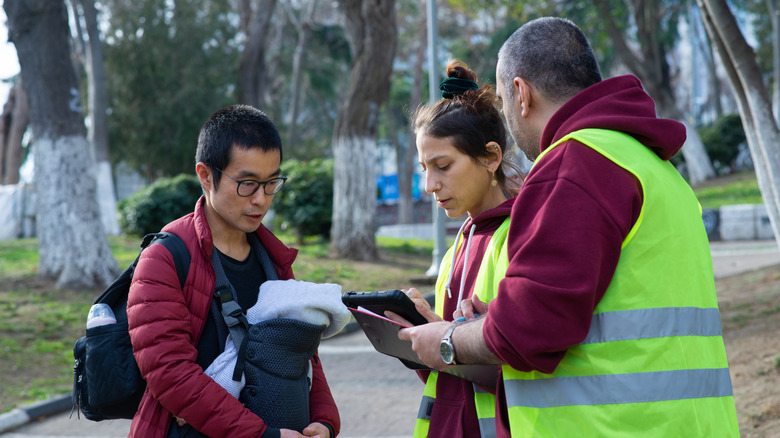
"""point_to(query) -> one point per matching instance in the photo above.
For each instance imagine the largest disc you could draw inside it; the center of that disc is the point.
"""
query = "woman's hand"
(420, 304)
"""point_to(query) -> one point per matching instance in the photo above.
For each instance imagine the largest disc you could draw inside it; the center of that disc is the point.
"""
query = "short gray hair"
(553, 55)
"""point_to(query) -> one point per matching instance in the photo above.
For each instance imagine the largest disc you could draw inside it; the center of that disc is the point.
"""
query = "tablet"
(393, 300)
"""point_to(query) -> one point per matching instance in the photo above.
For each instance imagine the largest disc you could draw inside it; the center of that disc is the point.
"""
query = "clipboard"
(382, 332)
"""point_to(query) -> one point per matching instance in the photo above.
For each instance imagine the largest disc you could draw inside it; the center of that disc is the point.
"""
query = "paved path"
(376, 395)
(729, 258)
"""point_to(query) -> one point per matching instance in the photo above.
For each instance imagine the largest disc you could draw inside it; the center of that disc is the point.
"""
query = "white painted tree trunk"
(755, 106)
(98, 128)
(106, 196)
(354, 197)
(765, 148)
(373, 32)
(696, 159)
(73, 247)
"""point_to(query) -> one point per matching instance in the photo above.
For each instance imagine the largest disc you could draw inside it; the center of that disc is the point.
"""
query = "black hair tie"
(451, 87)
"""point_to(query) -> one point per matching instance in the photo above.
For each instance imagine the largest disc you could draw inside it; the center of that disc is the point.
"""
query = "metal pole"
(433, 86)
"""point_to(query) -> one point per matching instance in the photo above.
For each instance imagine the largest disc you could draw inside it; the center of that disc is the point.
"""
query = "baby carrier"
(273, 355)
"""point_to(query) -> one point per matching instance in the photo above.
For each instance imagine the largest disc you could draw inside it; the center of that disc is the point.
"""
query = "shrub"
(305, 205)
(163, 201)
(722, 140)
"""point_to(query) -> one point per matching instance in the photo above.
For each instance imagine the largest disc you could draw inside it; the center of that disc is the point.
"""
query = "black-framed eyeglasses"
(248, 187)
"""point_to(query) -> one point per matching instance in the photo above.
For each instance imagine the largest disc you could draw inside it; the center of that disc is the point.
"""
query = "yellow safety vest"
(653, 363)
(491, 270)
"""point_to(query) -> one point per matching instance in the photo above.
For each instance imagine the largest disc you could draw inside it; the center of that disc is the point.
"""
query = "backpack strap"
(177, 248)
(231, 311)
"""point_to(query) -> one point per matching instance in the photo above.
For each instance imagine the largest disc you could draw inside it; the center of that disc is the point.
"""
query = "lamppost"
(433, 96)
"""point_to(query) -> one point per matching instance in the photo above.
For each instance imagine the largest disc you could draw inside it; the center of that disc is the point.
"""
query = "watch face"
(447, 352)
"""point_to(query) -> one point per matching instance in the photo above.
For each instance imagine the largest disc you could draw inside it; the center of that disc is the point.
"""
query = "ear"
(523, 99)
(495, 156)
(204, 175)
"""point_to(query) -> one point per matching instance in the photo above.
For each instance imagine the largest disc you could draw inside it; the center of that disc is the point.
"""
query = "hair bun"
(451, 87)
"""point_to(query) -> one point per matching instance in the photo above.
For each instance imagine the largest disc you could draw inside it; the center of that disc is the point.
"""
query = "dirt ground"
(750, 312)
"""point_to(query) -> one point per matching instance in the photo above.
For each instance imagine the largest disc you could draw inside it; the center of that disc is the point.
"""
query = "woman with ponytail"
(462, 148)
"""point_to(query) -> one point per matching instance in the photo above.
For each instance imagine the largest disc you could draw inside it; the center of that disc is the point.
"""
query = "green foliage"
(722, 139)
(306, 202)
(169, 66)
(159, 203)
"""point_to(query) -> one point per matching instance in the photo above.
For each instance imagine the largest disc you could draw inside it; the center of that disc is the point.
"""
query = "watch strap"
(447, 339)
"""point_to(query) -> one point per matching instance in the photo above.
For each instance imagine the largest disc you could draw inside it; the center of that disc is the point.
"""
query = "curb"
(34, 411)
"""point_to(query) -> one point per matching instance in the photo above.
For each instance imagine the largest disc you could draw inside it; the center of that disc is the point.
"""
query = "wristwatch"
(446, 349)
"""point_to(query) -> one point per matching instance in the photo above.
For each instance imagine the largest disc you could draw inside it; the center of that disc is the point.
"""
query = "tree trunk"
(753, 101)
(5, 123)
(303, 26)
(714, 81)
(653, 70)
(372, 29)
(252, 79)
(774, 15)
(98, 128)
(72, 244)
(245, 15)
(696, 159)
(405, 155)
(16, 116)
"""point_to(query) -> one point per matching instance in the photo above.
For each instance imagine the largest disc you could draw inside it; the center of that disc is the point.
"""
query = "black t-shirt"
(245, 276)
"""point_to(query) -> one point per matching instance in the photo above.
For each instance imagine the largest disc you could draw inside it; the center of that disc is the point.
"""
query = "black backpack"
(107, 383)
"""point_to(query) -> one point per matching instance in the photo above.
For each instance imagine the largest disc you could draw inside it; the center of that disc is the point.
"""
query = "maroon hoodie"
(454, 414)
(568, 223)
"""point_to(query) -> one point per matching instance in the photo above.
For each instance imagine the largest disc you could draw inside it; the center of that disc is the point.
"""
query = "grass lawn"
(740, 188)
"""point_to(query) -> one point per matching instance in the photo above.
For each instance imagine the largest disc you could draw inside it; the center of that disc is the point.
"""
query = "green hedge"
(305, 204)
(159, 203)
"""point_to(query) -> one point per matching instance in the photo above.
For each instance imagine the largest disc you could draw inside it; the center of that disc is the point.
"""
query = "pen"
(463, 319)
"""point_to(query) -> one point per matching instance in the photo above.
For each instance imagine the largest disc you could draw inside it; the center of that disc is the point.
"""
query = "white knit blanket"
(315, 303)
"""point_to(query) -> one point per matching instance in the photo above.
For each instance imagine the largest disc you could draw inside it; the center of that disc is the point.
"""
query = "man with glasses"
(175, 333)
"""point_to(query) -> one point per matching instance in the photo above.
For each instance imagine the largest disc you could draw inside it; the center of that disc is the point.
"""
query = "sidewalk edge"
(24, 414)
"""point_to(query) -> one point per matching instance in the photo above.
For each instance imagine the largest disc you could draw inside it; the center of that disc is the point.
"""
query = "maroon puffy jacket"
(165, 326)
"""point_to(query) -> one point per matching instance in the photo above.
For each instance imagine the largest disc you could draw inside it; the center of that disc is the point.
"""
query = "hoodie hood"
(478, 229)
(490, 220)
(618, 104)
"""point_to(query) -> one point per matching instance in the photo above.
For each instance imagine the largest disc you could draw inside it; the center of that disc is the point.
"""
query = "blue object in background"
(388, 188)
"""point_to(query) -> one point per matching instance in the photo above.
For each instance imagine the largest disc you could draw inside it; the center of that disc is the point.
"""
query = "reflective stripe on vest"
(621, 388)
(486, 411)
(491, 270)
(653, 362)
(426, 406)
(653, 323)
